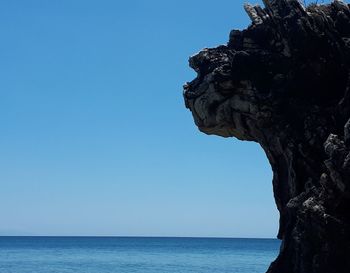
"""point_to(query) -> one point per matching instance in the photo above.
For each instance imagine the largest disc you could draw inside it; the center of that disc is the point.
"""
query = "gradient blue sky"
(95, 138)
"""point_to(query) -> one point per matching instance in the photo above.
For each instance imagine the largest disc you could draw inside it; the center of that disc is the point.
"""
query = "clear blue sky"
(95, 138)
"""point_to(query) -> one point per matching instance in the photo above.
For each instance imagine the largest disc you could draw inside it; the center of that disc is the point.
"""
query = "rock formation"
(284, 82)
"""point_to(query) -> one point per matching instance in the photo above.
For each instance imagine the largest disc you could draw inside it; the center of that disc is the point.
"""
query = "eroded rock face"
(284, 83)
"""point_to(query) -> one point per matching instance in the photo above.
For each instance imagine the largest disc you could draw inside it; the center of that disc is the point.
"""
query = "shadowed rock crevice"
(284, 82)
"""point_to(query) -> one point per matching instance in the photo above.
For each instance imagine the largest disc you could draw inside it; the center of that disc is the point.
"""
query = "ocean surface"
(135, 255)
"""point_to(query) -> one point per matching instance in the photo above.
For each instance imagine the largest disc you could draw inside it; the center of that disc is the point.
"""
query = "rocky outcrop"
(284, 82)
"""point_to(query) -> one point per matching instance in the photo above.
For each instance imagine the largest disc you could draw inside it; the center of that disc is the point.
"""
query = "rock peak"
(284, 82)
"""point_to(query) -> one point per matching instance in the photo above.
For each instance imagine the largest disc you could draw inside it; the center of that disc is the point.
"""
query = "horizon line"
(142, 236)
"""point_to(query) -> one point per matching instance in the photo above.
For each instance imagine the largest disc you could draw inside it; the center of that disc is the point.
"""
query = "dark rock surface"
(284, 82)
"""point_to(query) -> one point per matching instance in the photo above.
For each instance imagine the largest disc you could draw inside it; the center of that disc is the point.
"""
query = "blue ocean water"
(135, 255)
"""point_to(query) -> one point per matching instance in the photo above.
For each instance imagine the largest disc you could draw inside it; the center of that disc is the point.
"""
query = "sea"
(135, 255)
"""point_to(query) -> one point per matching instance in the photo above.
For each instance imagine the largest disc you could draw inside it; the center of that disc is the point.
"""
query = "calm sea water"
(135, 255)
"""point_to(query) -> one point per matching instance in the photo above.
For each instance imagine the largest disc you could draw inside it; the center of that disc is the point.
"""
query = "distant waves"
(135, 255)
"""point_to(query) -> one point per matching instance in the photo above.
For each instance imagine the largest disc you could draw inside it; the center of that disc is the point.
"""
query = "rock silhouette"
(284, 82)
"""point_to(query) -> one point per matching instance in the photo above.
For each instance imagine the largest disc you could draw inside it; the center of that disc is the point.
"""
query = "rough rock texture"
(284, 82)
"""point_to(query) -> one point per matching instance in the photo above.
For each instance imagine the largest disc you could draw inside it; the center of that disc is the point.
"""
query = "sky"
(95, 138)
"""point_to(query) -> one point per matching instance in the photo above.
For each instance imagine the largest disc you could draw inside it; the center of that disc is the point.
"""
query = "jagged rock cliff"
(284, 83)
